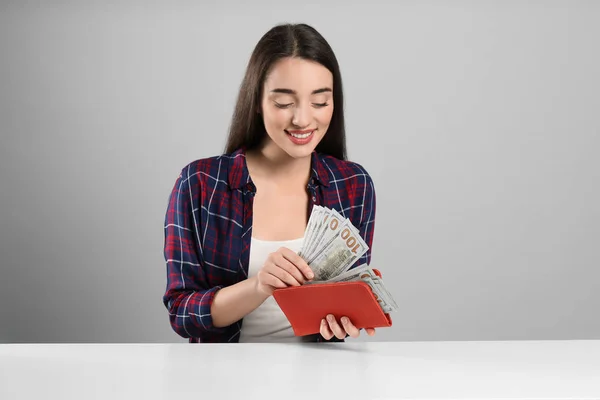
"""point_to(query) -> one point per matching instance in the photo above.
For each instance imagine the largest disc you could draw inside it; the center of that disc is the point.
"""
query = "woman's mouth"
(301, 137)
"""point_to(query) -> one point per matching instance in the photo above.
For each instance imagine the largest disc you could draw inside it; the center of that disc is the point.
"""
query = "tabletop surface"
(359, 370)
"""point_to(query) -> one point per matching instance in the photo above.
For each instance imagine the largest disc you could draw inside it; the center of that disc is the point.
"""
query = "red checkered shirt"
(208, 228)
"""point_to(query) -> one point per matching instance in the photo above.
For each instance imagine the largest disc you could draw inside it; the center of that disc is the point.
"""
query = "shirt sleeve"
(367, 200)
(187, 298)
(366, 228)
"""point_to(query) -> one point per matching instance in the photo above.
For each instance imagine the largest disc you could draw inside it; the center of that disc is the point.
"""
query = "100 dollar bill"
(338, 254)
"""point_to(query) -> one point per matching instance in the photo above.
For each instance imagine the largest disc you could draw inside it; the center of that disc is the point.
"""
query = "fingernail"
(330, 318)
(323, 322)
(344, 320)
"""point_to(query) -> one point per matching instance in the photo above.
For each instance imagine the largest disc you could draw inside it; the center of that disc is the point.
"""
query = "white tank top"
(267, 323)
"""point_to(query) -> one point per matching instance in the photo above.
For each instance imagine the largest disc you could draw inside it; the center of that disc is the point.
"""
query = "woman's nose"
(301, 116)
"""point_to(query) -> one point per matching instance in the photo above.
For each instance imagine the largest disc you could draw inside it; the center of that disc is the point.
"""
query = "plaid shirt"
(208, 227)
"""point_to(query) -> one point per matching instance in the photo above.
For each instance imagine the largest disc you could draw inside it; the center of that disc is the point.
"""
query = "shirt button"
(314, 198)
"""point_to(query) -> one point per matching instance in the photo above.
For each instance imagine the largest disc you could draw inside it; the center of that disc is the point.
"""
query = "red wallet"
(305, 306)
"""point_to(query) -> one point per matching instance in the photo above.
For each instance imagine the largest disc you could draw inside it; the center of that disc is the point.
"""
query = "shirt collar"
(239, 176)
(318, 172)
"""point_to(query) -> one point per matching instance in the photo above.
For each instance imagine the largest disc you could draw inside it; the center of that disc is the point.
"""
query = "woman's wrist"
(234, 302)
(258, 290)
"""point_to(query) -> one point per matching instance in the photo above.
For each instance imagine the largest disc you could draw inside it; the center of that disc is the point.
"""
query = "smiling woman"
(235, 222)
(282, 104)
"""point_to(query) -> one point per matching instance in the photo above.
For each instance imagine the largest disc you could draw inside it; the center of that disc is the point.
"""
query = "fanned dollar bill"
(332, 244)
(310, 230)
(364, 273)
(332, 222)
(338, 253)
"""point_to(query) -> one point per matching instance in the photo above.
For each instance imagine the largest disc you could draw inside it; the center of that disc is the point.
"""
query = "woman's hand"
(282, 268)
(330, 328)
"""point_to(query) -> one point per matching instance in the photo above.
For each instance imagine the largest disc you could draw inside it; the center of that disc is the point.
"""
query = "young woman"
(235, 222)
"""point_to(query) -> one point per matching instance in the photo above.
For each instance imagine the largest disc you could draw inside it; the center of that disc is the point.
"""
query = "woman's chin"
(296, 151)
(299, 152)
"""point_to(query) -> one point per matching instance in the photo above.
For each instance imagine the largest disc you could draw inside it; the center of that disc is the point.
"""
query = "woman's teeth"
(301, 136)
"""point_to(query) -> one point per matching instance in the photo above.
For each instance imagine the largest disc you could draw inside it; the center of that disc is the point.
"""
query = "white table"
(359, 370)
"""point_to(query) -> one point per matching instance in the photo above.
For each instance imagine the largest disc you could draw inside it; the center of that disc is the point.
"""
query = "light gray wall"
(477, 120)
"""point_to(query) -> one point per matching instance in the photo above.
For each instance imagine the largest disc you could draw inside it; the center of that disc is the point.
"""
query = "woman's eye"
(318, 105)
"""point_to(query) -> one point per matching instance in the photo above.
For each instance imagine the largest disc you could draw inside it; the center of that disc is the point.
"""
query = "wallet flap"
(305, 306)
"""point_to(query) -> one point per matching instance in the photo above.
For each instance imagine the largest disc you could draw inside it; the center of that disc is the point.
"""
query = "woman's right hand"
(282, 268)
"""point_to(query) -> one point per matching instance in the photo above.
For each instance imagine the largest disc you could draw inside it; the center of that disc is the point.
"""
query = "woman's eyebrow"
(290, 91)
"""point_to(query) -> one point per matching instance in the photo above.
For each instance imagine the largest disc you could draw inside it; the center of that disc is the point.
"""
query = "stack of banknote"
(332, 244)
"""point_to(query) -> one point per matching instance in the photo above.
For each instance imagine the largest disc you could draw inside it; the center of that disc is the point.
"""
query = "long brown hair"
(287, 40)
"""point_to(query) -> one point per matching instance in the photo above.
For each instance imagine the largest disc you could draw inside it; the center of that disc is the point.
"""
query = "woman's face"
(297, 106)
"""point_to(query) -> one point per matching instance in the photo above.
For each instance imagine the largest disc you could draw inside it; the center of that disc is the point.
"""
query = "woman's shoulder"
(209, 170)
(350, 189)
(344, 170)
(205, 164)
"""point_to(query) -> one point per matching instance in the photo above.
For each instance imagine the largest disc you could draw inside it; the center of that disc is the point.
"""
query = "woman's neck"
(271, 161)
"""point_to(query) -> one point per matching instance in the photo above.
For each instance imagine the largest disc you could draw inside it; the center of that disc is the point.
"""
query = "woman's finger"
(298, 261)
(350, 328)
(337, 330)
(273, 281)
(282, 275)
(283, 263)
(370, 331)
(325, 331)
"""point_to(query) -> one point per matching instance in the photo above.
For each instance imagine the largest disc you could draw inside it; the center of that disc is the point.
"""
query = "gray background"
(478, 122)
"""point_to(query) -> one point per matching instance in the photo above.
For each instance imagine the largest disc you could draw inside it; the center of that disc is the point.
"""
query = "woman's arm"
(281, 269)
(234, 302)
(336, 331)
(188, 296)
(195, 307)
(366, 225)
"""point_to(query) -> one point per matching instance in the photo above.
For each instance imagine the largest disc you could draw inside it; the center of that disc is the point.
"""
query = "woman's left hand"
(330, 328)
